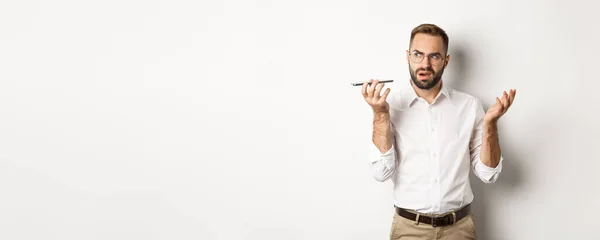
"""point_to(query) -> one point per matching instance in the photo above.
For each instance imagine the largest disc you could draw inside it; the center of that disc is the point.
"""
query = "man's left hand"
(500, 107)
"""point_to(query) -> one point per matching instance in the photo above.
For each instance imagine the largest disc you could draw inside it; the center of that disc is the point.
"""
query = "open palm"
(500, 107)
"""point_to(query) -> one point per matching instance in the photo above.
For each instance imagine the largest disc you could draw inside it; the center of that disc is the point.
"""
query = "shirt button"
(433, 129)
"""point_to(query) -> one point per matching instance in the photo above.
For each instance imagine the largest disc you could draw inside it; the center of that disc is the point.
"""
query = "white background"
(169, 119)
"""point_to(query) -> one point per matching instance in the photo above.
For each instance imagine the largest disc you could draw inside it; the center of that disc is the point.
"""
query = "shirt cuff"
(486, 172)
(388, 156)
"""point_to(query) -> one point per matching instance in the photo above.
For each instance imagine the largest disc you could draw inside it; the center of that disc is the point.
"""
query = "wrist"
(381, 113)
(490, 125)
(490, 122)
(381, 117)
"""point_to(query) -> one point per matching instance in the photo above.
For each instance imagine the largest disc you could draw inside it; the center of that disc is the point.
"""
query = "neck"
(427, 94)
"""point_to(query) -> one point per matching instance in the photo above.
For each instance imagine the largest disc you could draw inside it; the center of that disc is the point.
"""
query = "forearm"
(382, 137)
(490, 147)
(384, 157)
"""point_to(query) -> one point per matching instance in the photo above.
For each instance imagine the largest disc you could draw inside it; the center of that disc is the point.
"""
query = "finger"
(504, 101)
(378, 88)
(509, 99)
(372, 87)
(512, 96)
(385, 94)
(363, 90)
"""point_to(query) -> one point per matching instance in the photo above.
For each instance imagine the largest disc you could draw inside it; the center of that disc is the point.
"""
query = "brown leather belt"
(440, 221)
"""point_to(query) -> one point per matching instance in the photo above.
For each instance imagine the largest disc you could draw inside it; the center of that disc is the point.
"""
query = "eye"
(436, 57)
(418, 54)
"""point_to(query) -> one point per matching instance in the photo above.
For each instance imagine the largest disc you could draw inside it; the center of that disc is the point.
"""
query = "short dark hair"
(430, 29)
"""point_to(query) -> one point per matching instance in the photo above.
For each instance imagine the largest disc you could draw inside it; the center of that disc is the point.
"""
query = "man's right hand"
(372, 94)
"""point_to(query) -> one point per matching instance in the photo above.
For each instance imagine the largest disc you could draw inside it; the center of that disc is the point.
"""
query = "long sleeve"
(383, 165)
(485, 173)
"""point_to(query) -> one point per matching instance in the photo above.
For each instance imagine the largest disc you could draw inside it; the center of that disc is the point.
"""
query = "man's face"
(430, 51)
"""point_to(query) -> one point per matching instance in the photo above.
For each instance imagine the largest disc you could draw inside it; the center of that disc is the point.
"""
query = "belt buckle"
(437, 221)
(434, 221)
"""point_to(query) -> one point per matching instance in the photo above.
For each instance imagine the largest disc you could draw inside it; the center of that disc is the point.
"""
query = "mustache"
(428, 69)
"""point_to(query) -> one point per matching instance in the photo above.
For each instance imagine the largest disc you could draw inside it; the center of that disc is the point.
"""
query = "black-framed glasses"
(434, 58)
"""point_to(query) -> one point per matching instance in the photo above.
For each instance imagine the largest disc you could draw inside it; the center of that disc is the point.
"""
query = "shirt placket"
(434, 157)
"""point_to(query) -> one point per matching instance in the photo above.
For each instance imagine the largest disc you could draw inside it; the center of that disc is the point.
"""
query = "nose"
(426, 61)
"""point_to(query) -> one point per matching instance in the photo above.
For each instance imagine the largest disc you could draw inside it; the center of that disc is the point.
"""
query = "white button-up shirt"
(434, 146)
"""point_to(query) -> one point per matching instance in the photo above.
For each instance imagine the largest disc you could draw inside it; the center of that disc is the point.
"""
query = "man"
(427, 138)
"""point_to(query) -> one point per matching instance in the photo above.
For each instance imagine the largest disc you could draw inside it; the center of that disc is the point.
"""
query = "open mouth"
(424, 74)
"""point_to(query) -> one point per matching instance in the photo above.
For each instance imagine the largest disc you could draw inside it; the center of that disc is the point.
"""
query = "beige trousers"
(404, 229)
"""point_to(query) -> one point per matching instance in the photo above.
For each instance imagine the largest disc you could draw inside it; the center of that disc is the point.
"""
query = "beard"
(426, 85)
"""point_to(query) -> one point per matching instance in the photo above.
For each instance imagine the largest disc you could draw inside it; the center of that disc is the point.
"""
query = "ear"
(447, 60)
(407, 57)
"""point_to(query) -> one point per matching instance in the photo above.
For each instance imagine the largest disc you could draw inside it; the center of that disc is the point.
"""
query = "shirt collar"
(410, 94)
(445, 91)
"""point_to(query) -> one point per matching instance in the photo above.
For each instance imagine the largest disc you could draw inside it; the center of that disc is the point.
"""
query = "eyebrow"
(429, 54)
